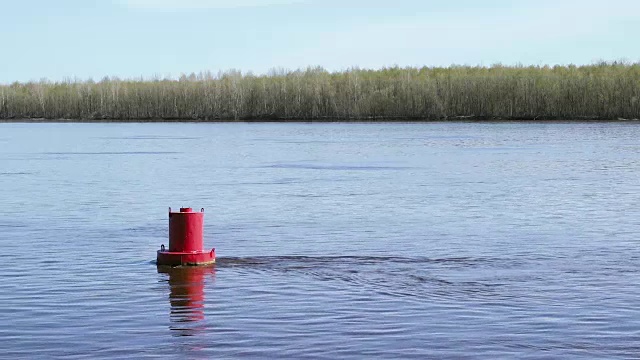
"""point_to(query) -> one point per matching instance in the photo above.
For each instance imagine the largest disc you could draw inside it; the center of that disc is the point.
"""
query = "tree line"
(607, 90)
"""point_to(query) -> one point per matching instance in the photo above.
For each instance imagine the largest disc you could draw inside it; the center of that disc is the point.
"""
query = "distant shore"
(363, 120)
(599, 92)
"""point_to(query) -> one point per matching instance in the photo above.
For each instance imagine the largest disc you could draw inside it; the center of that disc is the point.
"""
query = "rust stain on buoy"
(186, 240)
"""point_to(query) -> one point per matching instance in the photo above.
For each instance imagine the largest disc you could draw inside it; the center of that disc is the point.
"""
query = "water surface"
(432, 240)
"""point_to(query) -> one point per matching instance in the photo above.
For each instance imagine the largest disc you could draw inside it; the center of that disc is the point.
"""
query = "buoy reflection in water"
(186, 297)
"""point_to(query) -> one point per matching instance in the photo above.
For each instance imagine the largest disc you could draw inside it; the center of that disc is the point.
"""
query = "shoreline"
(457, 119)
(600, 92)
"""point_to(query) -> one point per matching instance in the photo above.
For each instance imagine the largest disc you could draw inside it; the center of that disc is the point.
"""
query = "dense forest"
(598, 91)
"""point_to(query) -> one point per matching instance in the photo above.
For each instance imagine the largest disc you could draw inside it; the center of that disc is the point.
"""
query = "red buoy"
(186, 241)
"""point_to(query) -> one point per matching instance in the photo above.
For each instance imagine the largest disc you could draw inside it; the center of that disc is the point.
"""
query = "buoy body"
(186, 240)
(186, 231)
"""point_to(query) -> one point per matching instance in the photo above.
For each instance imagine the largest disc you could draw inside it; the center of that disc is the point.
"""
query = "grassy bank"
(605, 91)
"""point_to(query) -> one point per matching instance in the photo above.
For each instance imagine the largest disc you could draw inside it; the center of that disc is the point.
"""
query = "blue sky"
(133, 38)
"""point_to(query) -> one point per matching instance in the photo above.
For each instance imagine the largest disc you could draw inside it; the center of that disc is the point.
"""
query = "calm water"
(393, 240)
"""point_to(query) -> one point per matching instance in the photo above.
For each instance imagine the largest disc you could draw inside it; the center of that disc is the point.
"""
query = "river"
(334, 240)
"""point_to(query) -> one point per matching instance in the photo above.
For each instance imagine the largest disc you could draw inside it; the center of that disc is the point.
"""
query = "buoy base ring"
(196, 258)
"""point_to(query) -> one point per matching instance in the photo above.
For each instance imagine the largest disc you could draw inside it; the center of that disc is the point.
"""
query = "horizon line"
(279, 71)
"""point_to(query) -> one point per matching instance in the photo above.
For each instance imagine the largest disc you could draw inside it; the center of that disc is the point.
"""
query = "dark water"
(504, 240)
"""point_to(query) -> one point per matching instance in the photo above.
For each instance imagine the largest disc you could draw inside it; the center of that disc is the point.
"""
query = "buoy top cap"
(185, 210)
